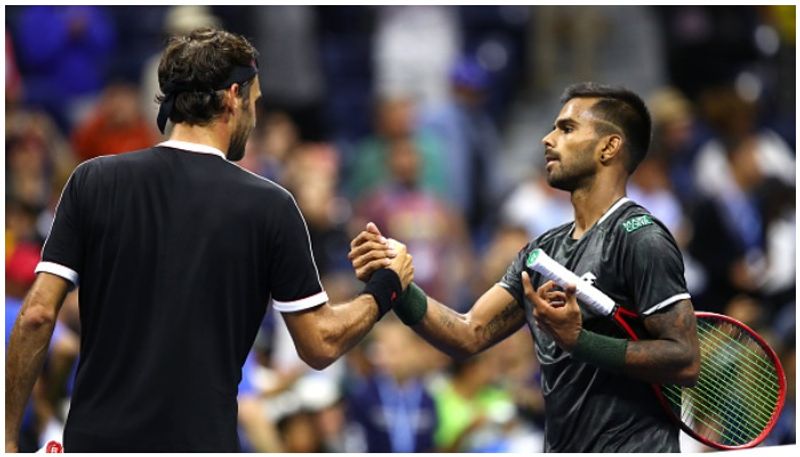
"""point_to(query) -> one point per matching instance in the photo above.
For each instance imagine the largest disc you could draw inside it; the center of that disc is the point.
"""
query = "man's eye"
(566, 129)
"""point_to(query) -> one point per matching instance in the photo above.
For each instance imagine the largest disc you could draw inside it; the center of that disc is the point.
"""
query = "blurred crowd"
(427, 121)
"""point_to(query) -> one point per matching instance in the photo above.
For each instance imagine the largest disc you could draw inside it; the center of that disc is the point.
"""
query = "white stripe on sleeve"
(59, 270)
(299, 305)
(666, 302)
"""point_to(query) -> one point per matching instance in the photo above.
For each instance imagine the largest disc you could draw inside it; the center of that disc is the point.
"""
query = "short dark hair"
(621, 107)
(202, 60)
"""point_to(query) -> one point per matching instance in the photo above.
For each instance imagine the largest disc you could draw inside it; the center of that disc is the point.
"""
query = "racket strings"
(729, 360)
(759, 356)
(737, 392)
(724, 379)
(757, 371)
(760, 384)
(710, 399)
(707, 411)
(692, 419)
(735, 427)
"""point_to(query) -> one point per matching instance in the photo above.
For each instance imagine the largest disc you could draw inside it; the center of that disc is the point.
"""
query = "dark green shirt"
(630, 256)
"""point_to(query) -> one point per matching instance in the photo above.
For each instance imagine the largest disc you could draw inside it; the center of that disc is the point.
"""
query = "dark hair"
(621, 107)
(202, 60)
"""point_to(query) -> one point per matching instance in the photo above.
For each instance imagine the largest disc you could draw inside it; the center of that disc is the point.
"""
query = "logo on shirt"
(588, 277)
(637, 222)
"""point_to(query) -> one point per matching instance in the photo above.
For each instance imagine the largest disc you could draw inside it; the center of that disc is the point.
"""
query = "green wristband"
(601, 351)
(412, 305)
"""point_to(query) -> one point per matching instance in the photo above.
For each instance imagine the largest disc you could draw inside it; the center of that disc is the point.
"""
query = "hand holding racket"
(555, 311)
(741, 388)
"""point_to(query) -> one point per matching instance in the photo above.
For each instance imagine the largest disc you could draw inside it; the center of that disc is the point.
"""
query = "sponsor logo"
(588, 277)
(637, 222)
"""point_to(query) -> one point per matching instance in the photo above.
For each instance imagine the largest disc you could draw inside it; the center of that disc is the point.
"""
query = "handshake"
(387, 269)
(370, 251)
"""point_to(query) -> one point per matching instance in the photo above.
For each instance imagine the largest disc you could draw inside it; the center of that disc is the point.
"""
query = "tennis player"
(178, 252)
(594, 381)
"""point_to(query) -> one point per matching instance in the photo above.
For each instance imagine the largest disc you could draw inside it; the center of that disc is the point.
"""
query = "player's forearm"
(450, 332)
(491, 319)
(338, 329)
(27, 349)
(661, 362)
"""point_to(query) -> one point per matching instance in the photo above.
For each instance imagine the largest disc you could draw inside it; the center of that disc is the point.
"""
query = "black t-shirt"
(631, 256)
(178, 253)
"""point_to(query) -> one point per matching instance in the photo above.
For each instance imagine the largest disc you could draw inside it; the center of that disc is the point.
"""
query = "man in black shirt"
(178, 252)
(595, 382)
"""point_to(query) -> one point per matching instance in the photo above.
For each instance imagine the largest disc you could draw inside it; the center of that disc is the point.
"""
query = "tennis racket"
(741, 389)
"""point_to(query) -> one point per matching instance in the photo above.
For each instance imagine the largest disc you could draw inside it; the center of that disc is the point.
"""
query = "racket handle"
(591, 296)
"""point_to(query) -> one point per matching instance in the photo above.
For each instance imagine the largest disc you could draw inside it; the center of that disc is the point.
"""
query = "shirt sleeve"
(62, 254)
(653, 269)
(512, 280)
(294, 280)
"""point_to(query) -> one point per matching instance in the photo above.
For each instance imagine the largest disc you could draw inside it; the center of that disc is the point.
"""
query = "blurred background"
(426, 120)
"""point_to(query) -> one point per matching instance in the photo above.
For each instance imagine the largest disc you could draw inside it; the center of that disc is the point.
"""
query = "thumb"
(526, 284)
(570, 291)
(371, 227)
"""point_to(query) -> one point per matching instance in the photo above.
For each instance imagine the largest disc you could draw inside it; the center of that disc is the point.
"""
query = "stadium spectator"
(470, 143)
(414, 48)
(392, 407)
(471, 408)
(435, 234)
(62, 52)
(732, 172)
(116, 125)
(396, 121)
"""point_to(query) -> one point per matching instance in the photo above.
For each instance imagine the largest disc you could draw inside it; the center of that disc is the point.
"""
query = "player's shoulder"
(258, 189)
(635, 224)
(258, 183)
(104, 164)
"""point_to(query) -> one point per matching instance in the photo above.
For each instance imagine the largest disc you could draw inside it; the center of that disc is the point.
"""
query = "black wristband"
(385, 287)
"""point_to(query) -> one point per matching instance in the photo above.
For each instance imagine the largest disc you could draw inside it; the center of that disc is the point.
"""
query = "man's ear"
(610, 147)
(231, 96)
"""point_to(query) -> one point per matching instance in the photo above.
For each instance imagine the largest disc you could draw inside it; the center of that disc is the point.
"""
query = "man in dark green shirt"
(596, 400)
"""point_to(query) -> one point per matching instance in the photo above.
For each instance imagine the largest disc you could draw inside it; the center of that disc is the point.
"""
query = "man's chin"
(557, 183)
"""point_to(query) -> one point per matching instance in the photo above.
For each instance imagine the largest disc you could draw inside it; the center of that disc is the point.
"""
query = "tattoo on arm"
(446, 321)
(673, 346)
(503, 323)
(677, 323)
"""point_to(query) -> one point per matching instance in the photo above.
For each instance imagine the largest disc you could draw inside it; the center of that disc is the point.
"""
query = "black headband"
(239, 74)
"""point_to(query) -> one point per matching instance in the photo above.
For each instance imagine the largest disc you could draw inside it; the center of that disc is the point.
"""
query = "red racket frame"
(619, 318)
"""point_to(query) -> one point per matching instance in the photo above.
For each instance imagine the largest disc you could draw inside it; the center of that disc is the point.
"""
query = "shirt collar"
(613, 208)
(192, 147)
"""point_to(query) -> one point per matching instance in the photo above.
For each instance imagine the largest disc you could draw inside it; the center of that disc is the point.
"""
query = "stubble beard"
(238, 142)
(575, 176)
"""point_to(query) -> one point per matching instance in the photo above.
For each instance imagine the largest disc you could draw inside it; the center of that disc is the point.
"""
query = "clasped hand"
(371, 251)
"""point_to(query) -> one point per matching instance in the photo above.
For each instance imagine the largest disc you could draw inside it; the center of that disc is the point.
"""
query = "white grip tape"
(591, 296)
